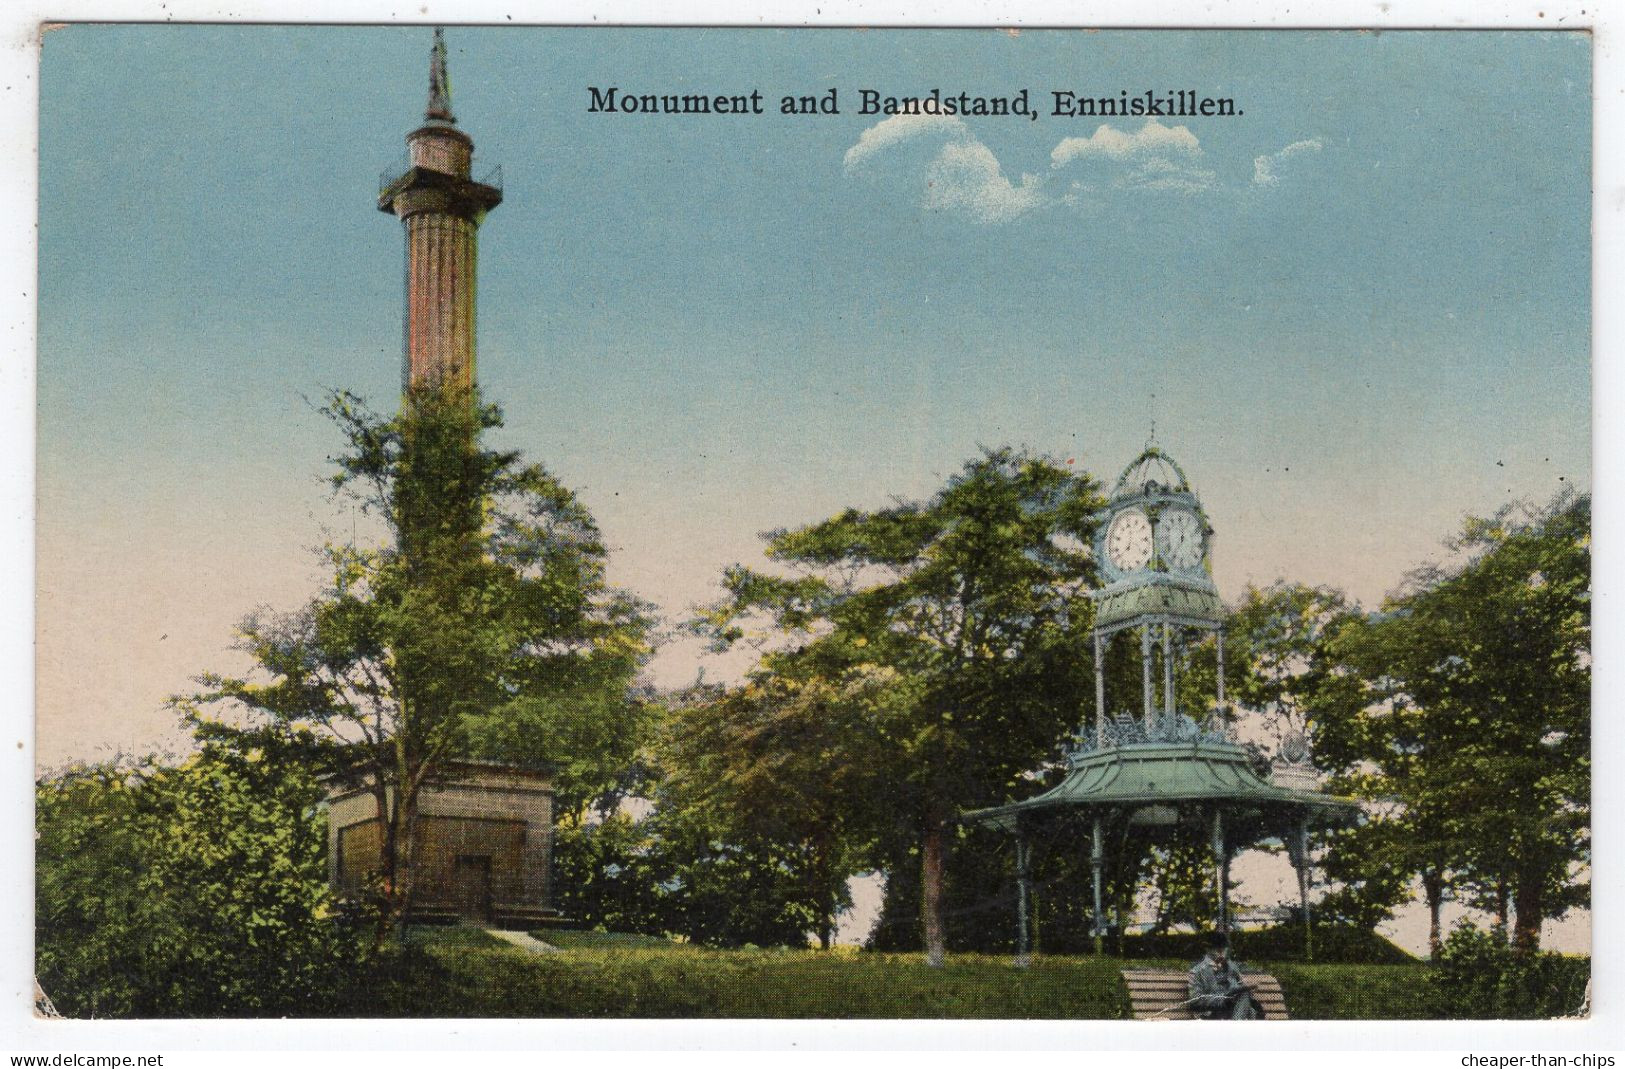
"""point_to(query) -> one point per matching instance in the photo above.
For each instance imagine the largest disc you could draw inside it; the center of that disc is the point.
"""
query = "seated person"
(1216, 989)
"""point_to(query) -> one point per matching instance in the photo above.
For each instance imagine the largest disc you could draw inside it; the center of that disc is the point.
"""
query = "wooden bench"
(1157, 995)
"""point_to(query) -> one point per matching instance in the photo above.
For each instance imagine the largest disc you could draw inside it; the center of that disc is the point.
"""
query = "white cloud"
(1266, 169)
(1151, 141)
(966, 177)
(952, 171)
(898, 129)
(961, 176)
(1155, 157)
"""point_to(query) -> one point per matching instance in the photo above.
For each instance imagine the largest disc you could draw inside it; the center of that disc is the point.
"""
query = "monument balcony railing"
(395, 172)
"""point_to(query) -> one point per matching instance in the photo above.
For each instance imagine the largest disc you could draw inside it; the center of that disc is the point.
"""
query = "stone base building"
(484, 844)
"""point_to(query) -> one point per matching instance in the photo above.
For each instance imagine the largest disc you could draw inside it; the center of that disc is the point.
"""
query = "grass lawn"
(462, 972)
(570, 939)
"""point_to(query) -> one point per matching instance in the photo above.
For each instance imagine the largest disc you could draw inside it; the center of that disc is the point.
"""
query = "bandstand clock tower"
(1155, 551)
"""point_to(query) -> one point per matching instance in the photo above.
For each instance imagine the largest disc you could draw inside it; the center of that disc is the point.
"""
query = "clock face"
(1179, 538)
(1128, 540)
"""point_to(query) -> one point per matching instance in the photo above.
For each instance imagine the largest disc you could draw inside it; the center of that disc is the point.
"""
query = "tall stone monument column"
(441, 206)
(484, 837)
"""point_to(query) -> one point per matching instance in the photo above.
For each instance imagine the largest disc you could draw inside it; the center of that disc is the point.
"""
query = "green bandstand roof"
(1161, 780)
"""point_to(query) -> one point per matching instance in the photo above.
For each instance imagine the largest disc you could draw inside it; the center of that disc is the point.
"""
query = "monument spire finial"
(439, 83)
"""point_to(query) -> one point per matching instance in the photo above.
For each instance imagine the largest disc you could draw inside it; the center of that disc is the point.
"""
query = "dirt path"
(523, 940)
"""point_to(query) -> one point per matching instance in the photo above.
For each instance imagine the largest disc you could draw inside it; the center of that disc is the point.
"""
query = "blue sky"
(1356, 312)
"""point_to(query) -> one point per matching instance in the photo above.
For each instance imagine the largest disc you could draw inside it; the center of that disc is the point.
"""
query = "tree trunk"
(398, 861)
(1433, 887)
(406, 866)
(383, 921)
(1529, 909)
(931, 888)
(1165, 918)
(830, 885)
(1503, 907)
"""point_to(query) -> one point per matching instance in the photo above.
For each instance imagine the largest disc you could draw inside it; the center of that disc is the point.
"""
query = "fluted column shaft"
(440, 258)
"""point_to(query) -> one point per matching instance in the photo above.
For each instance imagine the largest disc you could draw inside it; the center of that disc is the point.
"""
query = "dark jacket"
(1214, 993)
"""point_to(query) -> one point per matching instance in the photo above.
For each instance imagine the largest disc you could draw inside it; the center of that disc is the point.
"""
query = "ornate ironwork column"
(1221, 871)
(1297, 849)
(1024, 884)
(1167, 671)
(1145, 672)
(1097, 863)
(1100, 691)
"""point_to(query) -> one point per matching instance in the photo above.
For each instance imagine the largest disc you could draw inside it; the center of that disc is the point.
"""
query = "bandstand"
(1158, 771)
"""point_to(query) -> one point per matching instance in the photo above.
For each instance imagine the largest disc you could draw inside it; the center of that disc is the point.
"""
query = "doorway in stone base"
(471, 886)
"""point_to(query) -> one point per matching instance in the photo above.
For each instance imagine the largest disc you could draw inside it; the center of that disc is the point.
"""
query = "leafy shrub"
(668, 875)
(607, 874)
(1477, 975)
(1333, 943)
(191, 890)
(1321, 992)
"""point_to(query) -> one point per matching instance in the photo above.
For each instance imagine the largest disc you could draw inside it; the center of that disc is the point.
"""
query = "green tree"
(1372, 866)
(482, 627)
(1291, 643)
(94, 921)
(1179, 879)
(673, 873)
(612, 874)
(1471, 711)
(1280, 635)
(771, 762)
(972, 599)
(1381, 745)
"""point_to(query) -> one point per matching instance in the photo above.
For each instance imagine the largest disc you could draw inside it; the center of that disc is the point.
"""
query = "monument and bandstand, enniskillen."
(1159, 772)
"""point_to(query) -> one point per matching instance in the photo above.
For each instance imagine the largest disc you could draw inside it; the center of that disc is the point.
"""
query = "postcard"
(813, 523)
